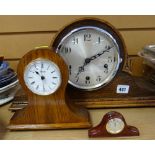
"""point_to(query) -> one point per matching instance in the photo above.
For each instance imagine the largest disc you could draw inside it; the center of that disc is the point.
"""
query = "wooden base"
(50, 126)
(138, 96)
(106, 97)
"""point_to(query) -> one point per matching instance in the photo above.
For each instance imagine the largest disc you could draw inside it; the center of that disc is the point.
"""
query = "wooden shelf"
(142, 118)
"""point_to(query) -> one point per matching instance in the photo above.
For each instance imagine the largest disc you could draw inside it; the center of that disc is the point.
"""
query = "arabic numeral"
(66, 50)
(87, 37)
(106, 71)
(99, 40)
(87, 81)
(122, 89)
(70, 69)
(109, 59)
(99, 78)
(75, 41)
(107, 47)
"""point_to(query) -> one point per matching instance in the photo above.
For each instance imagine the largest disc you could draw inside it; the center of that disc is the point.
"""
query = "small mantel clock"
(43, 75)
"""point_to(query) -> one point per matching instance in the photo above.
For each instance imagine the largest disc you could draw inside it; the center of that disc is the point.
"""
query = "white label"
(122, 89)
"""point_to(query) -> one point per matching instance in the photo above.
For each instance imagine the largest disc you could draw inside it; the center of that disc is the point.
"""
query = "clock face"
(92, 56)
(42, 77)
(115, 125)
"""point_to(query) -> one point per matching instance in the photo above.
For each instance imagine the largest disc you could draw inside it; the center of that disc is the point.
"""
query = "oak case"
(54, 111)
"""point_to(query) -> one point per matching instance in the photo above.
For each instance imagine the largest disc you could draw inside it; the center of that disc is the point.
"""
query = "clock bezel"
(47, 60)
(105, 28)
(110, 130)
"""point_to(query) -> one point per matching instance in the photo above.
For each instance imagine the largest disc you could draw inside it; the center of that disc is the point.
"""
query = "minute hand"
(88, 60)
(99, 54)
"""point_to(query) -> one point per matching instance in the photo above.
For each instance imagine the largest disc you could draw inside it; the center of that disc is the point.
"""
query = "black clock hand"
(42, 77)
(88, 60)
(37, 73)
(97, 55)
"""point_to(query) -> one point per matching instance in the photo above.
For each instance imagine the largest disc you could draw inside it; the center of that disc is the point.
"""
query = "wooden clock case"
(105, 97)
(100, 130)
(54, 111)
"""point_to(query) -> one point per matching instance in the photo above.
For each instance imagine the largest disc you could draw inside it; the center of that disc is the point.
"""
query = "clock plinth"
(53, 111)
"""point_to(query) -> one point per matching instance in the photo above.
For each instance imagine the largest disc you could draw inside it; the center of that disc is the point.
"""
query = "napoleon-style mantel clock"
(93, 51)
(113, 124)
(44, 76)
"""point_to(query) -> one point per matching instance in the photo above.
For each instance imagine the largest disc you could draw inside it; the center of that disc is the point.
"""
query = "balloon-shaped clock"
(43, 76)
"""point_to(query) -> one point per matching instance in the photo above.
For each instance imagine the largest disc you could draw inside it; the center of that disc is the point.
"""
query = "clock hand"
(37, 73)
(88, 60)
(42, 77)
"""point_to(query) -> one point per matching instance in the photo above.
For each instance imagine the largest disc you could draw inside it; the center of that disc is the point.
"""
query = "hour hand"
(81, 69)
(88, 60)
(37, 73)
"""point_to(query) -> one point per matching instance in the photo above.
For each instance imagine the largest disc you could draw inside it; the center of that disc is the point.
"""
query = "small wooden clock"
(44, 76)
(113, 124)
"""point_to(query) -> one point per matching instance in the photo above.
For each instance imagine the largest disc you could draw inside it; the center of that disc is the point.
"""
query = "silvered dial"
(115, 126)
(92, 56)
(42, 77)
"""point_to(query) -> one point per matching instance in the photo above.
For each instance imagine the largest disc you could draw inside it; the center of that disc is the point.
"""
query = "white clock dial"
(42, 77)
(92, 56)
(115, 126)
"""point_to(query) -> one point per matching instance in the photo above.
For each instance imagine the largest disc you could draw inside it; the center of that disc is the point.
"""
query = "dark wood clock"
(113, 124)
(43, 76)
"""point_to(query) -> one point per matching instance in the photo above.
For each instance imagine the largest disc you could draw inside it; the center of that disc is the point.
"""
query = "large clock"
(93, 51)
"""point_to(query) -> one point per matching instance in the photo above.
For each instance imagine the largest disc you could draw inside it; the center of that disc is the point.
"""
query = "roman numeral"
(52, 71)
(32, 82)
(37, 87)
(54, 83)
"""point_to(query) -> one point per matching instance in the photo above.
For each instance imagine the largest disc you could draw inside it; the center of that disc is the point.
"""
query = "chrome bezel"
(119, 59)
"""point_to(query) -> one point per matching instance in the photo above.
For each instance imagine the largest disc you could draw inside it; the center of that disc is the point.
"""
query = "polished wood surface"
(142, 118)
(54, 111)
(101, 131)
(139, 95)
(106, 97)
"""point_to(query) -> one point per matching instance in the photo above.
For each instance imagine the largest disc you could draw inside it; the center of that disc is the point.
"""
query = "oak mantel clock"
(94, 52)
(44, 76)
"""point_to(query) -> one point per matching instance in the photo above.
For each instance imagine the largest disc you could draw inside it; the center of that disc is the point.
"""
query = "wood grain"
(105, 97)
(53, 111)
(142, 118)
